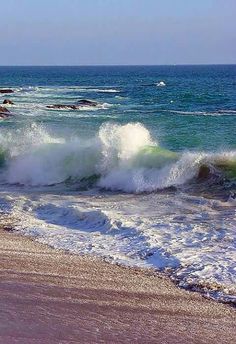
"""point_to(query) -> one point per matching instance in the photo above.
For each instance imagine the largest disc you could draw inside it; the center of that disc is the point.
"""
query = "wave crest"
(119, 157)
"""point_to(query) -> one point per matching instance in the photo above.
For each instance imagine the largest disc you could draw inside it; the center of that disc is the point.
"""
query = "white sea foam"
(97, 90)
(160, 84)
(190, 237)
(40, 159)
(64, 89)
(123, 156)
(36, 108)
(203, 113)
(106, 90)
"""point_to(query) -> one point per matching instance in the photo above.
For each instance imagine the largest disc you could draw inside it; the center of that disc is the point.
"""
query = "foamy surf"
(178, 234)
(172, 231)
(122, 157)
(203, 113)
(155, 189)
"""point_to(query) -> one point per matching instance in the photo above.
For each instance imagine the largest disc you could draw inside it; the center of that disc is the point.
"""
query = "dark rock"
(86, 102)
(8, 101)
(82, 102)
(8, 228)
(204, 172)
(210, 173)
(4, 110)
(6, 90)
(4, 113)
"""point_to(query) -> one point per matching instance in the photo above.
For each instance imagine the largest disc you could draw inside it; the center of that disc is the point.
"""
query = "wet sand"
(48, 296)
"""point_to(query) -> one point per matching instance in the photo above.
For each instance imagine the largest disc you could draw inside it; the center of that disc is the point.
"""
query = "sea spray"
(122, 157)
(121, 144)
(41, 159)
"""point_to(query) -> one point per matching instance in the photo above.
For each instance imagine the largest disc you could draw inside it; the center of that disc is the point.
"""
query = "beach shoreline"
(52, 296)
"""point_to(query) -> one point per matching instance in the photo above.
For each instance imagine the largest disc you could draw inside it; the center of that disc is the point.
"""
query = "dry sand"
(47, 296)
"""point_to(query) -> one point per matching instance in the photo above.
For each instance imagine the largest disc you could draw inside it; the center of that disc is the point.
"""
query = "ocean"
(136, 165)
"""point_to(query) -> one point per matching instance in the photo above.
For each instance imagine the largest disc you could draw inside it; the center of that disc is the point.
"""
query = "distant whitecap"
(160, 84)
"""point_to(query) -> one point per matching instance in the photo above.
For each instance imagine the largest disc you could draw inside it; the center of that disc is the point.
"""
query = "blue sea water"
(170, 112)
(145, 178)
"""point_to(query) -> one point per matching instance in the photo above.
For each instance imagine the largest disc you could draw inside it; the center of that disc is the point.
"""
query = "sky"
(117, 32)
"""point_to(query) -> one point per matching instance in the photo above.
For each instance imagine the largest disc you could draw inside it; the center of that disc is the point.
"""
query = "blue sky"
(91, 32)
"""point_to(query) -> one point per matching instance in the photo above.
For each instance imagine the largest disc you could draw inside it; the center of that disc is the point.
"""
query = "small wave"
(98, 90)
(27, 106)
(45, 90)
(161, 84)
(43, 107)
(186, 112)
(203, 113)
(28, 89)
(102, 106)
(226, 111)
(121, 97)
(87, 90)
(73, 218)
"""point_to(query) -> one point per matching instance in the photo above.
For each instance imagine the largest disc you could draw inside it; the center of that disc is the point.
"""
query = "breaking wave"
(118, 157)
(161, 84)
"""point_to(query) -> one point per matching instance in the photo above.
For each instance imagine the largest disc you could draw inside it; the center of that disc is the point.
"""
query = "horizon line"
(125, 65)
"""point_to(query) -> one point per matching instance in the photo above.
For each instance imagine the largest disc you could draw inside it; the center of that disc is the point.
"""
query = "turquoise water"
(182, 115)
(146, 177)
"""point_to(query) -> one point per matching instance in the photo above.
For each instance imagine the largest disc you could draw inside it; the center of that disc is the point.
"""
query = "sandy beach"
(118, 172)
(48, 296)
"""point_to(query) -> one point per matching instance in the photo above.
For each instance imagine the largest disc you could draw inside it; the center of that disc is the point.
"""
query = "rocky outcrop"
(6, 90)
(4, 110)
(8, 101)
(204, 172)
(86, 102)
(80, 103)
(4, 113)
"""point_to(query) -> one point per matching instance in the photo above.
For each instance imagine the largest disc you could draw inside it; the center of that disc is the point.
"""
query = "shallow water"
(147, 177)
